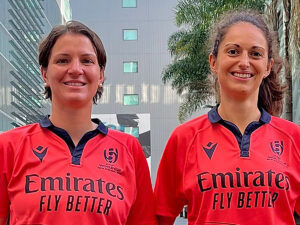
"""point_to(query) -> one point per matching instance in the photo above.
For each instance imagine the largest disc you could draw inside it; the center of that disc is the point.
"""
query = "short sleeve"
(142, 212)
(4, 203)
(168, 191)
(296, 157)
(4, 200)
(297, 207)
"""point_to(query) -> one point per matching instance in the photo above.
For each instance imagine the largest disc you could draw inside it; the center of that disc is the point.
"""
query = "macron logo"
(209, 149)
(40, 152)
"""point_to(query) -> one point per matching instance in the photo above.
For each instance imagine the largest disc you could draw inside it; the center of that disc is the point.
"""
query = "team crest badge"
(277, 147)
(111, 155)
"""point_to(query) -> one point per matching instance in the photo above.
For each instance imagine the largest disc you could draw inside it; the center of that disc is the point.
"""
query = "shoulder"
(125, 140)
(128, 144)
(285, 125)
(184, 135)
(290, 131)
(120, 137)
(286, 129)
(19, 132)
(193, 126)
(10, 141)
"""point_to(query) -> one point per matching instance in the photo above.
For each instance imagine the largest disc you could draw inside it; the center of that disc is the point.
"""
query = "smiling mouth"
(242, 75)
(74, 84)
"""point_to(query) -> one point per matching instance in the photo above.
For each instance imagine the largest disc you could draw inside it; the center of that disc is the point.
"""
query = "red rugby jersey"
(227, 178)
(39, 184)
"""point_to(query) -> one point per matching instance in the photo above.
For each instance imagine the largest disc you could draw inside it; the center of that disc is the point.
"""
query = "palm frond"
(189, 71)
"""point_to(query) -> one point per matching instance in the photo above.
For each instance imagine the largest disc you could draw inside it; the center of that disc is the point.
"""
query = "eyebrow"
(231, 44)
(84, 55)
(253, 47)
(258, 47)
(89, 54)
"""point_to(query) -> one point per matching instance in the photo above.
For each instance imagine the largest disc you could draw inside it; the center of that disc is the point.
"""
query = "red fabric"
(54, 191)
(263, 188)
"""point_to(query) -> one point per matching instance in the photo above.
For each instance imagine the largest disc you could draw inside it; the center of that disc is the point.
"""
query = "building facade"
(135, 36)
(23, 23)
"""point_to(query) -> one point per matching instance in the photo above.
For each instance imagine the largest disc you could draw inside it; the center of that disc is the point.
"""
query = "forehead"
(245, 34)
(75, 41)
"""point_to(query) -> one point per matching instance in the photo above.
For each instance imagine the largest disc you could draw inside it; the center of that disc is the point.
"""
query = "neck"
(240, 113)
(75, 121)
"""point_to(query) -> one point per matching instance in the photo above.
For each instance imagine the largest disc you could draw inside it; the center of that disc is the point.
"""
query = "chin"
(72, 100)
(77, 103)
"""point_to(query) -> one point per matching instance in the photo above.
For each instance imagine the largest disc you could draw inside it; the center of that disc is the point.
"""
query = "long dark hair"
(271, 89)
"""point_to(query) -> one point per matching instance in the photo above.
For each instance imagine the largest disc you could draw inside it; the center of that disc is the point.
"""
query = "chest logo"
(209, 149)
(40, 152)
(277, 147)
(111, 155)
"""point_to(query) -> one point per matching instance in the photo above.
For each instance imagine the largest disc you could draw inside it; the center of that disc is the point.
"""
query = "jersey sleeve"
(142, 212)
(296, 137)
(4, 203)
(168, 190)
(294, 131)
(4, 174)
(297, 207)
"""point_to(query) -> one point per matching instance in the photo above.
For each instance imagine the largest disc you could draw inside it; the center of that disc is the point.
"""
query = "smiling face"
(242, 61)
(73, 71)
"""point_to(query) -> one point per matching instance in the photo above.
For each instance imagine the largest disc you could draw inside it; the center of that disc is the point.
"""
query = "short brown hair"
(75, 27)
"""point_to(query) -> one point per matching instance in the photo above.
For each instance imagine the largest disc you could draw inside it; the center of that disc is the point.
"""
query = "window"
(134, 131)
(129, 3)
(130, 67)
(130, 35)
(131, 99)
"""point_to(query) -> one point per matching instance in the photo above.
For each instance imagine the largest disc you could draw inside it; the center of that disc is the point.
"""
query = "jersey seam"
(187, 154)
(20, 141)
(292, 140)
(108, 135)
(130, 154)
(17, 150)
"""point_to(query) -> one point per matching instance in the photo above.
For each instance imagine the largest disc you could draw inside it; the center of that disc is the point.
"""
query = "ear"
(269, 67)
(44, 75)
(101, 80)
(212, 63)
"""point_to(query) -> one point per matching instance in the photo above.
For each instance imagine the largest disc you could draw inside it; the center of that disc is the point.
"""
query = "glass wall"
(130, 67)
(131, 99)
(22, 25)
(129, 3)
(130, 35)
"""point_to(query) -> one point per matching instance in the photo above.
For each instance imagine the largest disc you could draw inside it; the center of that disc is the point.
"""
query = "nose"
(244, 61)
(75, 67)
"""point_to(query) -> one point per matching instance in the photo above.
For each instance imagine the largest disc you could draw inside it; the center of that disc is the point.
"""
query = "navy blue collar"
(214, 116)
(46, 123)
(242, 139)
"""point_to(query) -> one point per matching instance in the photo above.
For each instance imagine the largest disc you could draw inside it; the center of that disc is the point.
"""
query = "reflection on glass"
(134, 131)
(129, 35)
(130, 67)
(129, 3)
(131, 99)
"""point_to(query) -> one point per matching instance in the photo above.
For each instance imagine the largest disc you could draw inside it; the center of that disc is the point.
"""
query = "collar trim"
(214, 116)
(46, 123)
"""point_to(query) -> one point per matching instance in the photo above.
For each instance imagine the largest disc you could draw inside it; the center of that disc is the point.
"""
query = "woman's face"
(242, 61)
(73, 72)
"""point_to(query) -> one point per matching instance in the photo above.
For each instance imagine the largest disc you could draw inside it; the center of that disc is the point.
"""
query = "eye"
(62, 61)
(87, 61)
(232, 52)
(256, 54)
